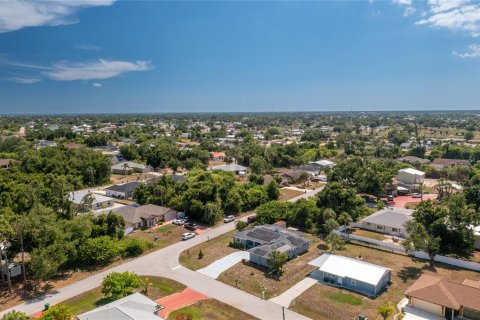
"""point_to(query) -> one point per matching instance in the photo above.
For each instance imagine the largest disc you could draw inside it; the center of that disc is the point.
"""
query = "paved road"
(165, 263)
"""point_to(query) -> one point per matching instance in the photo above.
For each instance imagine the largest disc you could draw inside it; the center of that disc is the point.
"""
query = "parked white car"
(229, 219)
(416, 195)
(188, 235)
(179, 222)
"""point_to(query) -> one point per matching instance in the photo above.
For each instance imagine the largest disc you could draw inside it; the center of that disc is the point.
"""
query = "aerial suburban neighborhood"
(239, 160)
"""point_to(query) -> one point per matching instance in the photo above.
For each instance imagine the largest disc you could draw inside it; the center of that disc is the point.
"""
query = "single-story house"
(389, 220)
(217, 155)
(410, 177)
(129, 167)
(363, 277)
(413, 160)
(232, 167)
(445, 298)
(439, 163)
(261, 240)
(124, 190)
(133, 307)
(323, 164)
(13, 268)
(98, 201)
(145, 216)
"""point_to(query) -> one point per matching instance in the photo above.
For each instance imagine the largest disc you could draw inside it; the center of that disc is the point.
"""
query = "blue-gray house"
(365, 278)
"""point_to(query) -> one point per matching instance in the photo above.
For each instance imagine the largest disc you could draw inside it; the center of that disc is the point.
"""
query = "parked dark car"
(191, 226)
(251, 219)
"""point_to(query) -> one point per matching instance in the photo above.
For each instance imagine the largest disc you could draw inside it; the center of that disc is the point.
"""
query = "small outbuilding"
(363, 277)
(410, 177)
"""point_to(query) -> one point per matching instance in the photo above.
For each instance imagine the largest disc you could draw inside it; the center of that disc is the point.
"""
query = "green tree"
(241, 225)
(98, 251)
(117, 285)
(273, 191)
(334, 241)
(15, 315)
(57, 312)
(276, 260)
(386, 310)
(420, 240)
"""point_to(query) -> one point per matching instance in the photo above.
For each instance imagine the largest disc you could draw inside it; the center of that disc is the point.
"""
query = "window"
(395, 230)
(379, 227)
(353, 282)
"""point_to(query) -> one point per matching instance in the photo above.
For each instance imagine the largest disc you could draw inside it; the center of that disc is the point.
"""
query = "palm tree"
(386, 310)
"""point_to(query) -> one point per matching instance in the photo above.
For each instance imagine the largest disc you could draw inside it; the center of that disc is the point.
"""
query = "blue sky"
(101, 56)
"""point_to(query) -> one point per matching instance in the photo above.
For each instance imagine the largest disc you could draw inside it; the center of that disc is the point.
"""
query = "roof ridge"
(450, 297)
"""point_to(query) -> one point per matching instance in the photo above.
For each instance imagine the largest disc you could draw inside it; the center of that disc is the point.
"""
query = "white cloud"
(18, 14)
(473, 52)
(24, 80)
(97, 85)
(101, 69)
(409, 11)
(455, 15)
(87, 47)
(403, 2)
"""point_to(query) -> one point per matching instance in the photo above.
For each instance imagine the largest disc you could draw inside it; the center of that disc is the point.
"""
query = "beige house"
(146, 216)
(445, 298)
(410, 177)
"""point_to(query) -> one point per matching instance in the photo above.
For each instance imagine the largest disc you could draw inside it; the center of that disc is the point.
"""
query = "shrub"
(58, 312)
(200, 254)
(235, 245)
(132, 247)
(98, 251)
(117, 285)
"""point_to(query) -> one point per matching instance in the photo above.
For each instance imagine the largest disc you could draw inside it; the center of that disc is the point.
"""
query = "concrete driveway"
(214, 270)
(286, 298)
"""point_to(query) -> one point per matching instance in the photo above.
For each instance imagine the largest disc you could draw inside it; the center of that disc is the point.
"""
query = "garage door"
(427, 306)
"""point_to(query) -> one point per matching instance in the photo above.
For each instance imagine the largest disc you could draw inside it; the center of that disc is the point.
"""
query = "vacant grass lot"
(213, 250)
(210, 309)
(287, 194)
(324, 302)
(166, 235)
(159, 287)
(368, 234)
(254, 279)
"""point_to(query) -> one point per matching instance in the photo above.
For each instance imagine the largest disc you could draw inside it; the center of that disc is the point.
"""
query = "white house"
(129, 167)
(133, 307)
(99, 201)
(410, 177)
(387, 221)
(356, 275)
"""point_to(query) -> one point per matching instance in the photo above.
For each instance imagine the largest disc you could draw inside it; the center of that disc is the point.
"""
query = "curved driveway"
(164, 263)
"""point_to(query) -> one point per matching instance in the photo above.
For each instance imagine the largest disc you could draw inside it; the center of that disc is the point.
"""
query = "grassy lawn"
(167, 235)
(345, 298)
(325, 302)
(368, 234)
(213, 250)
(160, 287)
(252, 278)
(210, 309)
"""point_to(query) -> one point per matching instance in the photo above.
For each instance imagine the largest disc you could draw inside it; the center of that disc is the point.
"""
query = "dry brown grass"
(317, 303)
(287, 194)
(213, 250)
(167, 235)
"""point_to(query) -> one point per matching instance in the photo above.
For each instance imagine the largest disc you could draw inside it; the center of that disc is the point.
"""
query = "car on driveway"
(416, 195)
(251, 219)
(179, 222)
(191, 226)
(228, 219)
(188, 235)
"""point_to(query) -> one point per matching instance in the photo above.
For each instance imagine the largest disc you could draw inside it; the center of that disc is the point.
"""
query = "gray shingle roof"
(390, 217)
(125, 188)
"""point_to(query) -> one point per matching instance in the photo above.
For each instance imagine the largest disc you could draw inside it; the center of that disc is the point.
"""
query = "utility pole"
(283, 312)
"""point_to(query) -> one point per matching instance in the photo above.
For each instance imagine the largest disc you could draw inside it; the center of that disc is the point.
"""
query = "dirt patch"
(161, 236)
(210, 309)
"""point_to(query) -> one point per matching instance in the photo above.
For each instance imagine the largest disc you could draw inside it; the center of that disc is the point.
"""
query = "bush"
(117, 285)
(98, 251)
(58, 312)
(132, 247)
(235, 245)
(200, 254)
